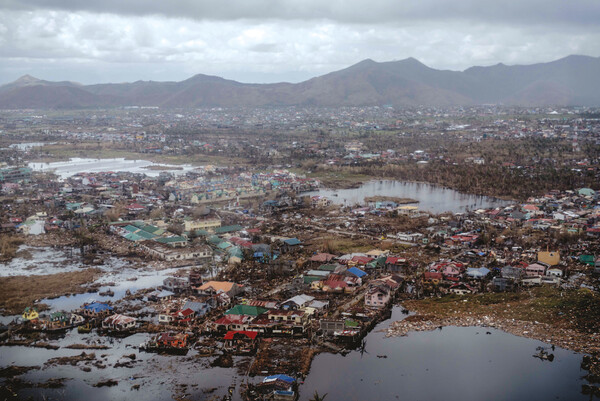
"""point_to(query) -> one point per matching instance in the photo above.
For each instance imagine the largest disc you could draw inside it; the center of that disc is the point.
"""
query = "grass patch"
(346, 245)
(575, 309)
(9, 244)
(18, 292)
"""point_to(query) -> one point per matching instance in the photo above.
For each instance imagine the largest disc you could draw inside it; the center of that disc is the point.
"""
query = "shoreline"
(569, 339)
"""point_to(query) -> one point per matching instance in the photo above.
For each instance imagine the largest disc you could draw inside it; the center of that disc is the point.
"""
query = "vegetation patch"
(18, 292)
(573, 309)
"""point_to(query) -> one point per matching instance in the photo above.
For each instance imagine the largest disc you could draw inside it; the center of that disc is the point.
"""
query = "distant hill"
(573, 80)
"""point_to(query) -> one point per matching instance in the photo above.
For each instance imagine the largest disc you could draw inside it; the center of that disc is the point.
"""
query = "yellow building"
(30, 314)
(208, 223)
(550, 258)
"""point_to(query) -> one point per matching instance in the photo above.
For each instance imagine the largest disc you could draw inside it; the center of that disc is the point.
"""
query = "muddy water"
(431, 198)
(450, 364)
(148, 376)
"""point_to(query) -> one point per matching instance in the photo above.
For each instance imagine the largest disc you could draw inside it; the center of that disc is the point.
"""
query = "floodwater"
(29, 145)
(431, 198)
(32, 260)
(451, 364)
(76, 165)
(454, 363)
(148, 376)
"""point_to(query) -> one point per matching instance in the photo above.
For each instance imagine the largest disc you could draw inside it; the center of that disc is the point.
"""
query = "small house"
(119, 323)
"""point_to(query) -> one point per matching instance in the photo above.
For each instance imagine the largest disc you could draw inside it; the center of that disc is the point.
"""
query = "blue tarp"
(357, 272)
(97, 307)
(284, 378)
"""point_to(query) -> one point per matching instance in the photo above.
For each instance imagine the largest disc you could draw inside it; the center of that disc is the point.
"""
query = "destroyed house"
(329, 327)
(199, 308)
(288, 316)
(175, 284)
(502, 284)
(290, 244)
(214, 287)
(96, 309)
(246, 310)
(119, 322)
(297, 302)
(515, 273)
(232, 322)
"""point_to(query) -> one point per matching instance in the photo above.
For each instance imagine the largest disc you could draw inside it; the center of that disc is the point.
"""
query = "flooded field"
(431, 198)
(40, 261)
(29, 145)
(119, 372)
(78, 165)
(452, 364)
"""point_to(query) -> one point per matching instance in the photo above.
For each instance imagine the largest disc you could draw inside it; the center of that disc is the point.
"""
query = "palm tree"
(317, 397)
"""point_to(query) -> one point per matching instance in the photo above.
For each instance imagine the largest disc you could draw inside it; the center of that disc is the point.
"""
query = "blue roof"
(357, 272)
(284, 378)
(97, 307)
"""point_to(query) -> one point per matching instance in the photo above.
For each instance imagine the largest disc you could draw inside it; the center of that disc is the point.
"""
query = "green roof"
(236, 251)
(73, 206)
(133, 237)
(246, 310)
(310, 279)
(152, 229)
(171, 240)
(328, 268)
(145, 234)
(131, 228)
(214, 240)
(228, 229)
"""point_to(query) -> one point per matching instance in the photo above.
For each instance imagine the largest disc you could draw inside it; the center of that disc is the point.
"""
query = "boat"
(86, 328)
(168, 343)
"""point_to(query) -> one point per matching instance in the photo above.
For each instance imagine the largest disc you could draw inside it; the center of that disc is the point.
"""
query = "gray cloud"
(578, 12)
(266, 41)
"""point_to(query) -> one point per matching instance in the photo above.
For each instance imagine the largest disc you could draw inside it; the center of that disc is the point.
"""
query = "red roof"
(362, 259)
(231, 334)
(392, 260)
(432, 276)
(335, 284)
(185, 313)
(322, 257)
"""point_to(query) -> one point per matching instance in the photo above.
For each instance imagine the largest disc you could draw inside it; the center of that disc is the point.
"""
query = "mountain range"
(573, 80)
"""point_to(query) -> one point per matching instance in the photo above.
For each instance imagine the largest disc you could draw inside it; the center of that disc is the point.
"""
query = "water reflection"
(456, 363)
(431, 198)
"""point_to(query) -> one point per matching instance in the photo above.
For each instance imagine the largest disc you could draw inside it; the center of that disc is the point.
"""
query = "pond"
(451, 364)
(432, 198)
(76, 165)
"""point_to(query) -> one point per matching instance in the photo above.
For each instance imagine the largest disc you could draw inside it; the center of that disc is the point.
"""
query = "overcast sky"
(281, 40)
